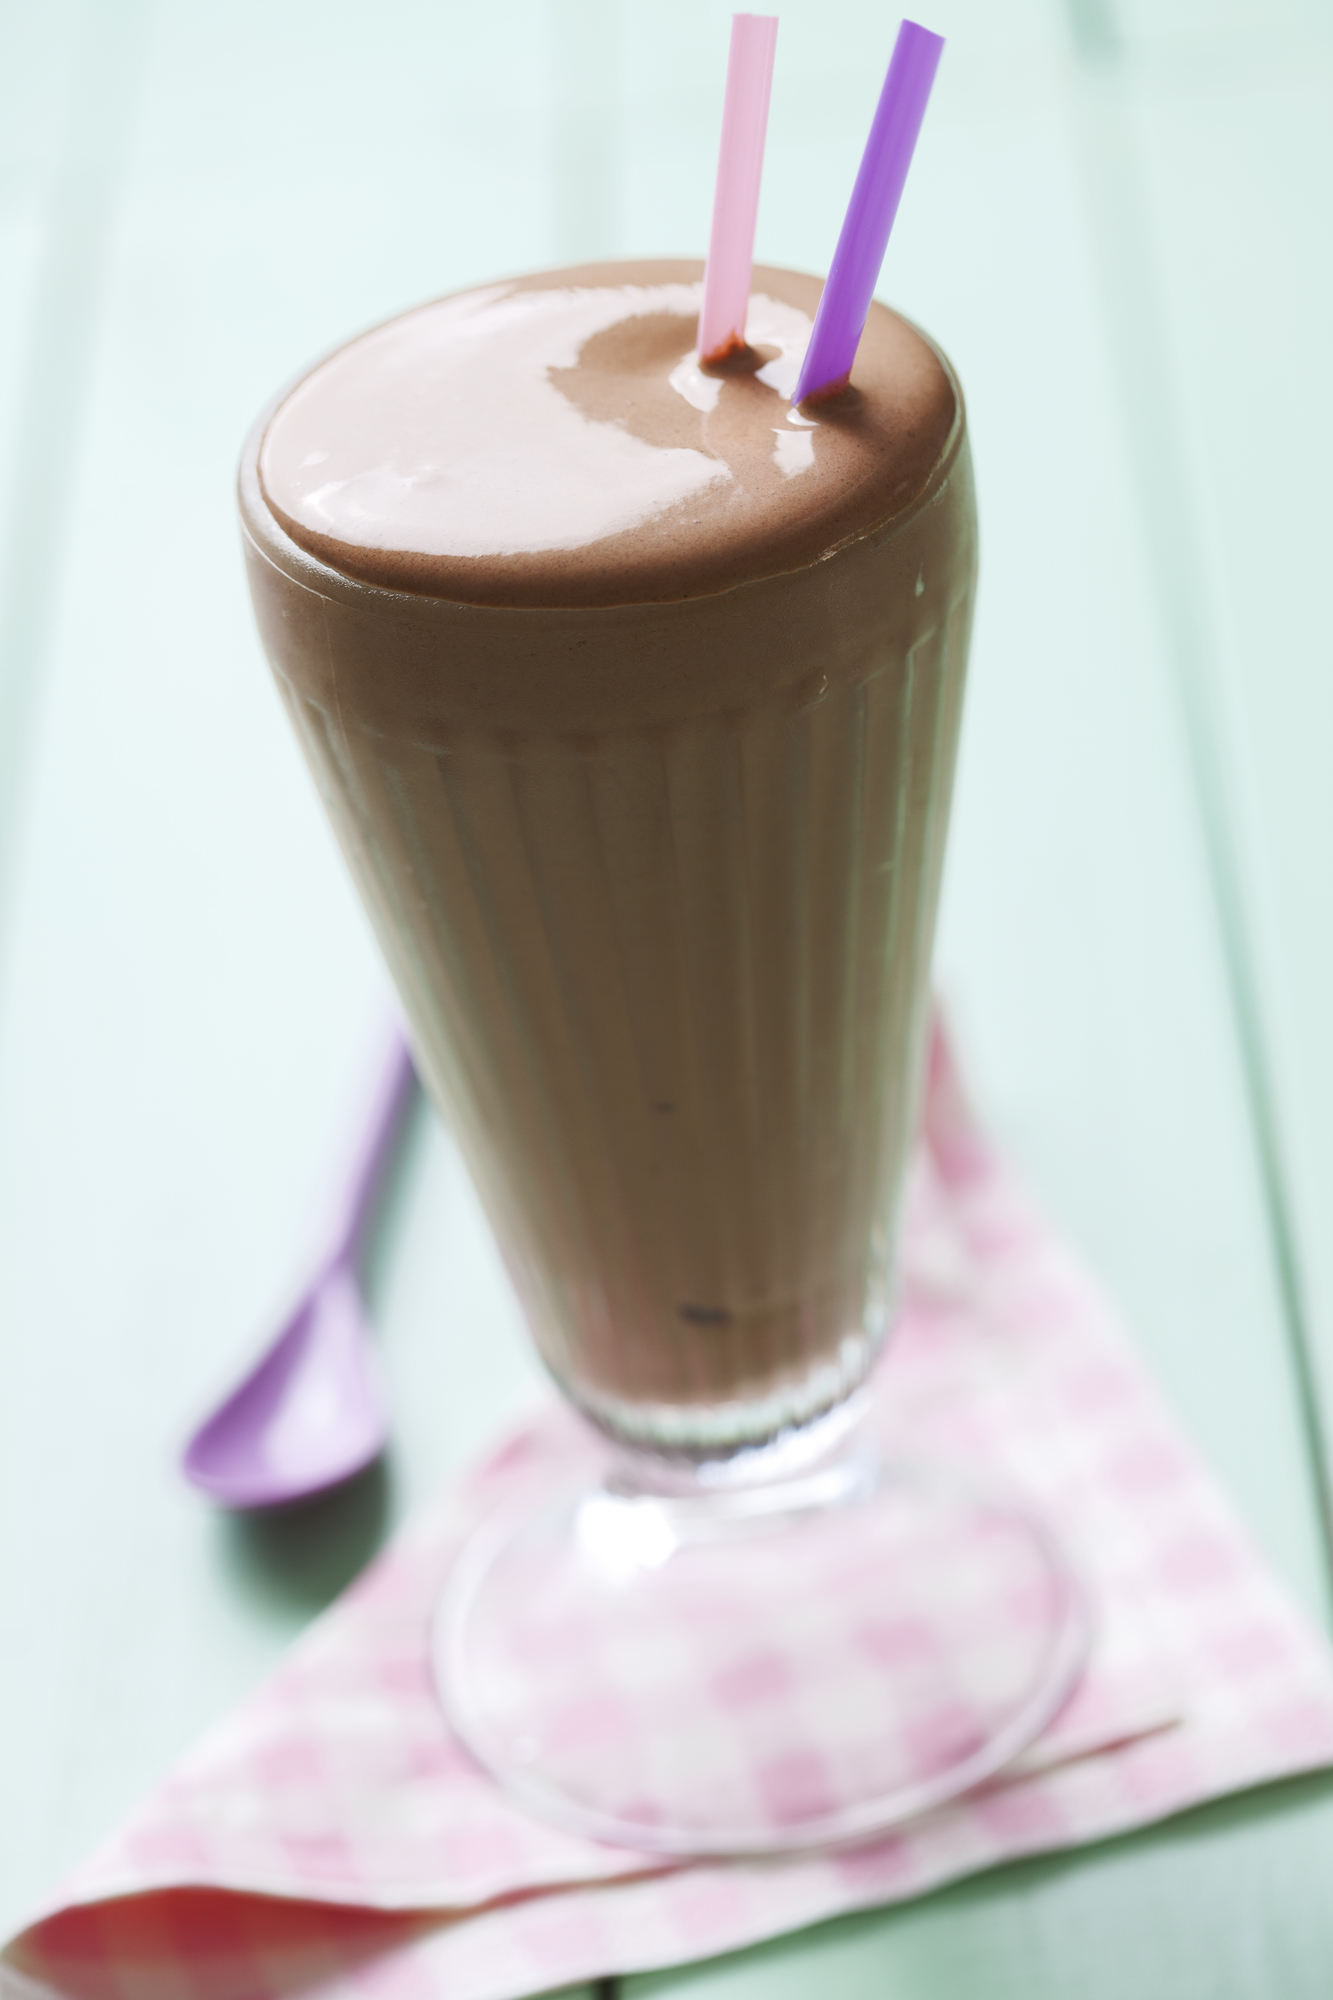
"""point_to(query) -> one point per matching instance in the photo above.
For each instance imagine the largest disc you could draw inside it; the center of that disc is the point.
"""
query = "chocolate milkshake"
(633, 695)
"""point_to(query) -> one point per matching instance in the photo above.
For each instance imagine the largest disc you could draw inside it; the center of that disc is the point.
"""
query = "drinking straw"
(855, 269)
(740, 163)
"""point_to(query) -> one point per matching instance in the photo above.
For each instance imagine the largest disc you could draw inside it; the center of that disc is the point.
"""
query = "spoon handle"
(387, 1096)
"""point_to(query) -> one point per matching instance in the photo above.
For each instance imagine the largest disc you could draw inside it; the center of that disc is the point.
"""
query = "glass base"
(780, 1666)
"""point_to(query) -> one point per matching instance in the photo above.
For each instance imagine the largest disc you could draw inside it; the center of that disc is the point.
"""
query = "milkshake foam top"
(553, 441)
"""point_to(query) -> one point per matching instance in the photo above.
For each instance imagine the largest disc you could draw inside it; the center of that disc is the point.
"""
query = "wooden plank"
(1239, 165)
(63, 110)
(1175, 322)
(1225, 1904)
(1081, 947)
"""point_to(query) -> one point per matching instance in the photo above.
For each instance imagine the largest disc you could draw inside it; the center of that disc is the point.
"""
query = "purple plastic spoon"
(313, 1409)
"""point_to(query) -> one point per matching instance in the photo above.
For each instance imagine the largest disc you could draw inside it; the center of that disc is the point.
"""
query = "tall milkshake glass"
(633, 695)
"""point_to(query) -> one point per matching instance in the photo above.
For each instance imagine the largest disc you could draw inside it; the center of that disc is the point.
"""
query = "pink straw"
(855, 269)
(740, 163)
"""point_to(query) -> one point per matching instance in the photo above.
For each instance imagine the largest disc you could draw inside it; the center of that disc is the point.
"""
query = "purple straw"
(855, 269)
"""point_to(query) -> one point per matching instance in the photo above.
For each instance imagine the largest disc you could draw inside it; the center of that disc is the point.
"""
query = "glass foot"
(781, 1666)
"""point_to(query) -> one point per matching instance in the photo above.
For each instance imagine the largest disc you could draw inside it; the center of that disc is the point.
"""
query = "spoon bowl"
(310, 1415)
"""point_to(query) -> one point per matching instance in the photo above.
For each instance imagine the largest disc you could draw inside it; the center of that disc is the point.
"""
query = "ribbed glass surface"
(672, 987)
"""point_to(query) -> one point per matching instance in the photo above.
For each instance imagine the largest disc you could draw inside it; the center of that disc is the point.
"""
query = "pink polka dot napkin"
(332, 1839)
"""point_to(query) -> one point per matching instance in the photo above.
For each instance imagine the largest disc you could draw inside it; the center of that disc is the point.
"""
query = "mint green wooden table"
(1118, 228)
